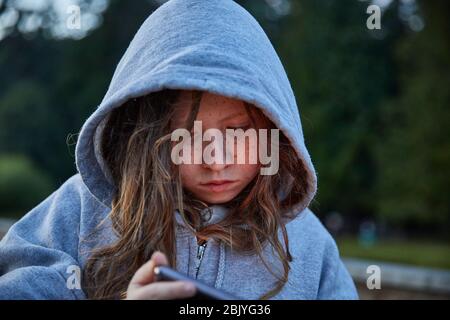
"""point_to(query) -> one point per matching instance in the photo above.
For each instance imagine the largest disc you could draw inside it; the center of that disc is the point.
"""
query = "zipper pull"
(200, 252)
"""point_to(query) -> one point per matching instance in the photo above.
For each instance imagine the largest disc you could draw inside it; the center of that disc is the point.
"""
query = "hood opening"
(177, 48)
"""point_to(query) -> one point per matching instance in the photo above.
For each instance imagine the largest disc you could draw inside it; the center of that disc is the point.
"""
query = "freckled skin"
(213, 111)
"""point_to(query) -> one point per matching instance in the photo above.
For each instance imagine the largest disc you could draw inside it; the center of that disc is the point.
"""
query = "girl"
(131, 207)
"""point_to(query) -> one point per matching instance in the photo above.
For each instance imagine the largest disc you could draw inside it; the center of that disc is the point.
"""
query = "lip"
(218, 185)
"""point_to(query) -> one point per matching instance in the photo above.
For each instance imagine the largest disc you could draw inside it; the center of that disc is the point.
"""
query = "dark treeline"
(374, 103)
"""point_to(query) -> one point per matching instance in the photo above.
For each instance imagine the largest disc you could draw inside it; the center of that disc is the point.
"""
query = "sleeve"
(336, 282)
(38, 255)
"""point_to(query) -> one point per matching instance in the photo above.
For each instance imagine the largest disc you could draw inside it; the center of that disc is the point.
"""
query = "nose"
(219, 154)
(218, 165)
(215, 166)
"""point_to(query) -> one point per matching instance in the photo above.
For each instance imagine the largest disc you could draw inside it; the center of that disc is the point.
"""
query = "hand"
(144, 287)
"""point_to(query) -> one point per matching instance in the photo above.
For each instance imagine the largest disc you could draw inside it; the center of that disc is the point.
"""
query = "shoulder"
(310, 243)
(307, 228)
(67, 196)
(60, 209)
(75, 194)
(74, 185)
(53, 223)
(316, 259)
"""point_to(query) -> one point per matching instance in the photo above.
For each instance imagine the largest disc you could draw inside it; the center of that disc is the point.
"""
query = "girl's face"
(217, 183)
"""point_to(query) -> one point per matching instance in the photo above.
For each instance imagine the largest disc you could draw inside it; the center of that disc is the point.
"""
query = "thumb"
(145, 274)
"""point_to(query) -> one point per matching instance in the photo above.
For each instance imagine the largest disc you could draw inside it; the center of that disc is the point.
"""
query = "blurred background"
(374, 104)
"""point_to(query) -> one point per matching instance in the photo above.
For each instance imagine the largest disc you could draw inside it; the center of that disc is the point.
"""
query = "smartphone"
(204, 291)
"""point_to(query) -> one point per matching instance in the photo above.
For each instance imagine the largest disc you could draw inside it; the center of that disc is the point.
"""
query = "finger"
(145, 274)
(167, 290)
(159, 258)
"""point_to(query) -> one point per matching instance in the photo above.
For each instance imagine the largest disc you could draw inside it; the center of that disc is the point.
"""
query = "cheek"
(247, 171)
(189, 173)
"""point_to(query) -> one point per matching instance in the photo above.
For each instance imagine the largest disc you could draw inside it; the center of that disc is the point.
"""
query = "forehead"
(212, 106)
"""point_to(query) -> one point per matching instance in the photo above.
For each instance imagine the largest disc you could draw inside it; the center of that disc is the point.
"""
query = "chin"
(216, 198)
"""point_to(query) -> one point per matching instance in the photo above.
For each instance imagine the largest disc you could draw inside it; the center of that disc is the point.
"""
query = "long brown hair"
(136, 147)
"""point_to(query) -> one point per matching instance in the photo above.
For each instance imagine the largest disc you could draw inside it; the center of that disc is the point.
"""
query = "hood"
(209, 45)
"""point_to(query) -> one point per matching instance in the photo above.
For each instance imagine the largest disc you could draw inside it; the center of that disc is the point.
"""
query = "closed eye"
(243, 127)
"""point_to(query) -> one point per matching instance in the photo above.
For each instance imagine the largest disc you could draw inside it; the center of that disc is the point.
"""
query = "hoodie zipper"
(200, 253)
(201, 245)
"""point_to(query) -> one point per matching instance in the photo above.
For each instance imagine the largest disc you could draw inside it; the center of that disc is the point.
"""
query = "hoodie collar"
(210, 215)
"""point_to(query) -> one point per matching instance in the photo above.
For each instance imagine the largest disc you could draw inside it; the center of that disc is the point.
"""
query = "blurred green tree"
(414, 152)
(341, 73)
(22, 185)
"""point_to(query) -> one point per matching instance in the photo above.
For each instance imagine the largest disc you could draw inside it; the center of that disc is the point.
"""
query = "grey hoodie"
(211, 45)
